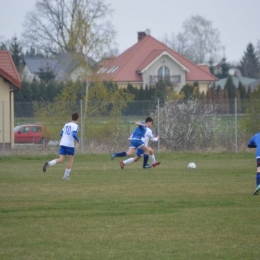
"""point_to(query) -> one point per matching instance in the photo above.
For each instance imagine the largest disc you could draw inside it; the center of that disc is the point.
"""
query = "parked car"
(31, 133)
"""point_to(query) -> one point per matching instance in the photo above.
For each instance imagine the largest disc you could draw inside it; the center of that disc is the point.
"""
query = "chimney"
(141, 35)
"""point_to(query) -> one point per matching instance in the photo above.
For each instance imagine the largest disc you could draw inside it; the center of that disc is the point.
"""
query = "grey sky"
(237, 20)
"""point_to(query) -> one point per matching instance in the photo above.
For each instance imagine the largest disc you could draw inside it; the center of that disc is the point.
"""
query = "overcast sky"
(238, 21)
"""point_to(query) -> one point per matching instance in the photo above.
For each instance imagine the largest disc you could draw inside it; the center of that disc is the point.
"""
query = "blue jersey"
(138, 133)
(254, 142)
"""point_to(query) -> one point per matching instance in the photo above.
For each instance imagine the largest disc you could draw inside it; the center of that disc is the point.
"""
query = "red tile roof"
(8, 70)
(141, 55)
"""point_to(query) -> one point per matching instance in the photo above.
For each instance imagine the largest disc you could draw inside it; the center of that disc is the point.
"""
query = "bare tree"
(199, 41)
(179, 43)
(70, 26)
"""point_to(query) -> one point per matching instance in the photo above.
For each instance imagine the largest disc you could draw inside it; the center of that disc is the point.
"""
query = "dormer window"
(163, 73)
(103, 69)
(113, 69)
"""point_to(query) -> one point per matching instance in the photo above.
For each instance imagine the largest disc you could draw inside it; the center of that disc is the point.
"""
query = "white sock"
(130, 160)
(51, 163)
(152, 157)
(67, 172)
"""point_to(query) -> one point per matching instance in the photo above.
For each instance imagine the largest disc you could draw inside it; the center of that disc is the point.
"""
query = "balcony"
(173, 79)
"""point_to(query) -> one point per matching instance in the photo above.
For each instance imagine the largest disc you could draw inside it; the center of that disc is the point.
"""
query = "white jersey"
(67, 139)
(149, 136)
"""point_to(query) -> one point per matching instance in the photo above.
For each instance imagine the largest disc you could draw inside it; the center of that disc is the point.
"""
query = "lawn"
(104, 212)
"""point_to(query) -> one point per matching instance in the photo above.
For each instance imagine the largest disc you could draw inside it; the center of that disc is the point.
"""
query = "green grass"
(104, 212)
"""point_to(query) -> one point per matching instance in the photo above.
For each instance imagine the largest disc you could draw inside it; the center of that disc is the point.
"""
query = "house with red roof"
(9, 82)
(148, 61)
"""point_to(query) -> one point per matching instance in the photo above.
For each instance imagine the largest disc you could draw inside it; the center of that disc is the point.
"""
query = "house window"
(163, 73)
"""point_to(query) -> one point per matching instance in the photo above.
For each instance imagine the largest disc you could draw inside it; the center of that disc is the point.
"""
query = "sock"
(146, 157)
(130, 160)
(51, 163)
(152, 157)
(258, 179)
(121, 154)
(67, 173)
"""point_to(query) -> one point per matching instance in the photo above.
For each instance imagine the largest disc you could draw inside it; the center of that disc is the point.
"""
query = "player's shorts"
(257, 162)
(65, 150)
(136, 144)
(139, 152)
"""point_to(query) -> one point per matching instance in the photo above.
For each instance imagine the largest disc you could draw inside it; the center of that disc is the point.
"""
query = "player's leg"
(62, 153)
(66, 175)
(257, 177)
(130, 160)
(153, 160)
(145, 161)
(70, 152)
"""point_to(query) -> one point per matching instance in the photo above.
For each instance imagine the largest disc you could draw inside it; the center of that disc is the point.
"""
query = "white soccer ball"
(191, 166)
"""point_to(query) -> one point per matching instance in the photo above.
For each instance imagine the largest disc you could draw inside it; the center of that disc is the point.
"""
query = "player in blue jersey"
(67, 143)
(136, 140)
(140, 152)
(254, 142)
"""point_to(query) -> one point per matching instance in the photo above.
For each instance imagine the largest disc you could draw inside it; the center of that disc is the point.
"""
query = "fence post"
(81, 127)
(158, 123)
(235, 124)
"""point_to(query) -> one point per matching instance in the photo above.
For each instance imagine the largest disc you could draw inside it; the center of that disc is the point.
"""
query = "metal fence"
(192, 125)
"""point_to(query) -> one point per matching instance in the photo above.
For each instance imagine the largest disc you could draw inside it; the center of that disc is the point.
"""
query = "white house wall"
(5, 116)
(175, 69)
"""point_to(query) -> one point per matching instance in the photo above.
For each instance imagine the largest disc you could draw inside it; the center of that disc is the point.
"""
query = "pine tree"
(249, 65)
(16, 51)
(221, 101)
(226, 101)
(3, 46)
(239, 103)
(224, 69)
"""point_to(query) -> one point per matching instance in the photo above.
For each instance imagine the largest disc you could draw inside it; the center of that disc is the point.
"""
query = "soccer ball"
(191, 166)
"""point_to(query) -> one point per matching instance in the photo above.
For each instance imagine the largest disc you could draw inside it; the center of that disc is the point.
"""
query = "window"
(36, 129)
(163, 73)
(25, 129)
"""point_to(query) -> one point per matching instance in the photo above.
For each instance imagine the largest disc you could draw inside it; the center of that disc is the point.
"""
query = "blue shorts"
(257, 162)
(136, 143)
(65, 150)
(139, 152)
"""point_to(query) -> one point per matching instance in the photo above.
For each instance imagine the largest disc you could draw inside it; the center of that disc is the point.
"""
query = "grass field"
(167, 212)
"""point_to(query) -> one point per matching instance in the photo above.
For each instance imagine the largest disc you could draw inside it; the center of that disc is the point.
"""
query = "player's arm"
(154, 139)
(74, 134)
(150, 135)
(251, 143)
(140, 123)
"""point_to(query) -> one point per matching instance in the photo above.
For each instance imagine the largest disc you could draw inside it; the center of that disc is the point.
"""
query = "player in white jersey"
(147, 137)
(68, 136)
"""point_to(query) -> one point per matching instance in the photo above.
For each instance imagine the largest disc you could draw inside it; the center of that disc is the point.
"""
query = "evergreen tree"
(213, 94)
(188, 90)
(224, 69)
(243, 96)
(226, 101)
(239, 103)
(16, 51)
(161, 91)
(46, 74)
(31, 52)
(3, 46)
(249, 65)
(208, 96)
(203, 98)
(231, 88)
(221, 101)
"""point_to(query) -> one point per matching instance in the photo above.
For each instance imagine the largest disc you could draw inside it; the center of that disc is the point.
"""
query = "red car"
(31, 133)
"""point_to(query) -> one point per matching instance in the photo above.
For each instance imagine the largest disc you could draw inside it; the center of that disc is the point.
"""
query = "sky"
(238, 21)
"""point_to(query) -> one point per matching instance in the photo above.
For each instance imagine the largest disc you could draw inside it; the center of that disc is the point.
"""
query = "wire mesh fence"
(191, 125)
